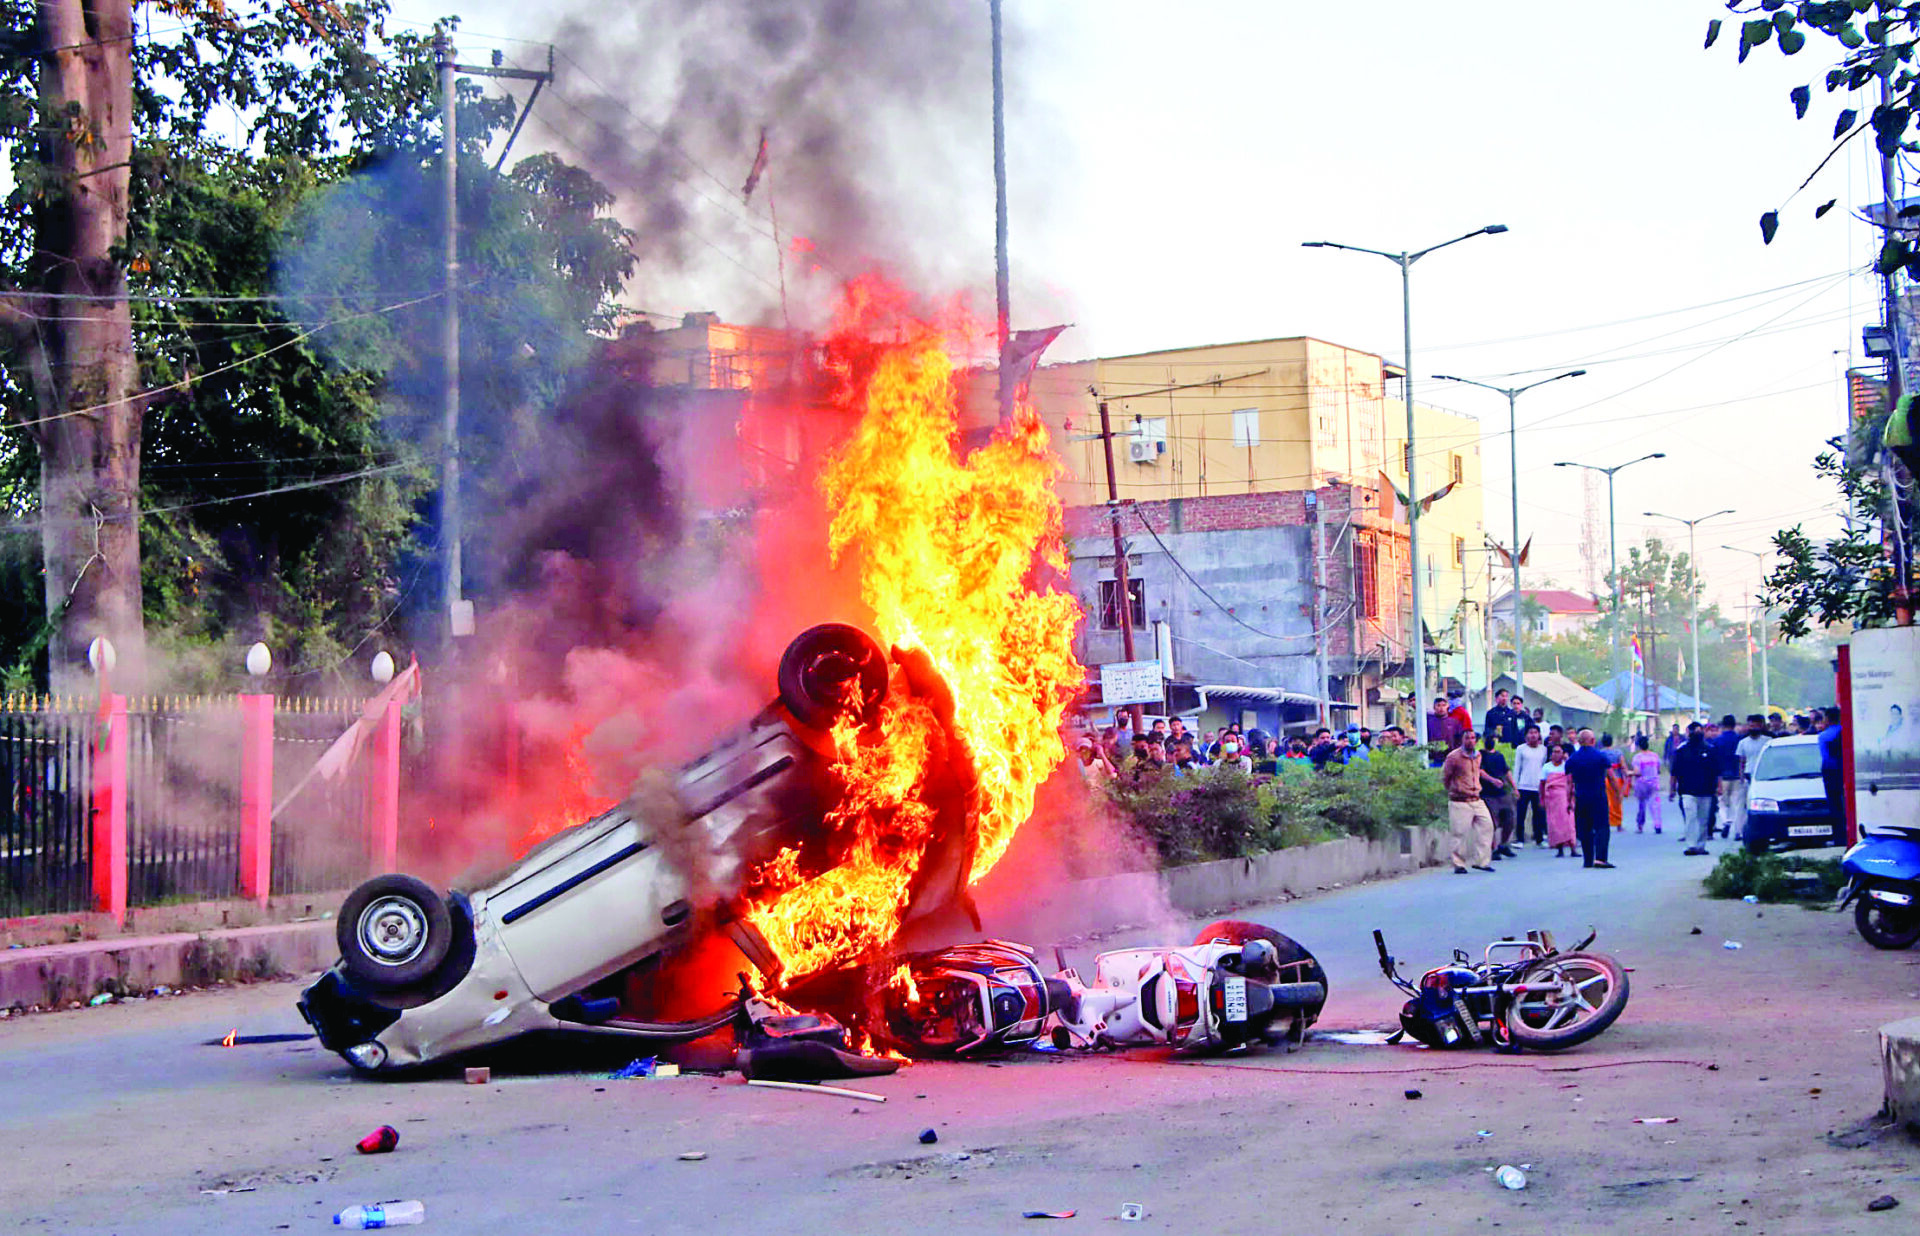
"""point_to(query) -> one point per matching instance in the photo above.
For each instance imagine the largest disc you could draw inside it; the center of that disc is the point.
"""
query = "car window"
(1779, 761)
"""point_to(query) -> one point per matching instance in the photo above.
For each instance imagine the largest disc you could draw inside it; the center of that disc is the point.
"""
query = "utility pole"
(1613, 564)
(1123, 592)
(1320, 608)
(459, 617)
(1003, 310)
(1766, 686)
(1693, 588)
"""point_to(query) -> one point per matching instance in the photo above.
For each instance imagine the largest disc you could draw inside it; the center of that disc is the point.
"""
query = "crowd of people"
(1568, 791)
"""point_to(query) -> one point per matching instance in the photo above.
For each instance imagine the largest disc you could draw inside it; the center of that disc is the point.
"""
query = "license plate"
(1809, 830)
(1897, 899)
(1236, 1002)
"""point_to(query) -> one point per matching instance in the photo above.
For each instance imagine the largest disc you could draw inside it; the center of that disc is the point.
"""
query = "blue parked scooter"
(1883, 881)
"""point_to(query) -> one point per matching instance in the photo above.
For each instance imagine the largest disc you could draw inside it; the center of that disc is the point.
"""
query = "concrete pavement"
(122, 1121)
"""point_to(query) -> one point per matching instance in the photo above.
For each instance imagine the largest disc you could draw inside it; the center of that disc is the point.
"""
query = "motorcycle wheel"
(1292, 953)
(1885, 926)
(1545, 1021)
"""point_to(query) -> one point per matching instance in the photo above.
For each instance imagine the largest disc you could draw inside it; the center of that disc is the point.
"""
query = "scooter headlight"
(368, 1055)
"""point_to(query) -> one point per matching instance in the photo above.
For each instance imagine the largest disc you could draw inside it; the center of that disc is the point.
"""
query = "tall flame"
(956, 553)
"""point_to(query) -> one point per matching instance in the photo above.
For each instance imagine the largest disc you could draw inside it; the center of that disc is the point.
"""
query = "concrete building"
(1289, 416)
(1229, 590)
(1550, 612)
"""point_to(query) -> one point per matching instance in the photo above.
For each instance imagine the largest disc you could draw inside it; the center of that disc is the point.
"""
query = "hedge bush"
(1222, 813)
(1770, 877)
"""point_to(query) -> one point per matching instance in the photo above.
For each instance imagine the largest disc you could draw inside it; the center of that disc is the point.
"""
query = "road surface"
(123, 1120)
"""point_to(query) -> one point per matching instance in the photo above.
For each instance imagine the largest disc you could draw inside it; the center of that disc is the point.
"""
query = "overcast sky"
(1167, 161)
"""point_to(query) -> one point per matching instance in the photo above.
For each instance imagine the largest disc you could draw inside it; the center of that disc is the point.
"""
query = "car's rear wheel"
(393, 932)
(832, 671)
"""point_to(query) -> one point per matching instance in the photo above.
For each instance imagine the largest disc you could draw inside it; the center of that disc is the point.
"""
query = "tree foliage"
(283, 256)
(1848, 579)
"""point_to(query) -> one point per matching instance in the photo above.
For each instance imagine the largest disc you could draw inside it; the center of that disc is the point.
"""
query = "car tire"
(393, 932)
(816, 668)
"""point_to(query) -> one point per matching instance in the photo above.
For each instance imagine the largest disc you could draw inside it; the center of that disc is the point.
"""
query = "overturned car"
(558, 941)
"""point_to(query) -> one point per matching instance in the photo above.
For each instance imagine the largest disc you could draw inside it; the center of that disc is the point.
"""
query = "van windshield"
(1779, 761)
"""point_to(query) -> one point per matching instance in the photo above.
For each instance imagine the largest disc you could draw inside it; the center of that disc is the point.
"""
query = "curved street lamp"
(1416, 646)
(1693, 588)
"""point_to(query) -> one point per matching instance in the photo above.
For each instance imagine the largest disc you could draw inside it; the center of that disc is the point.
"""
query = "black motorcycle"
(1542, 999)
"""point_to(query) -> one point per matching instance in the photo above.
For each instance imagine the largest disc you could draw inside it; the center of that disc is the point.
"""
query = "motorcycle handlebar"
(1386, 960)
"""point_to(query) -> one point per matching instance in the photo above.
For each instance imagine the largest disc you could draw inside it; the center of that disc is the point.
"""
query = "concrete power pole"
(1123, 593)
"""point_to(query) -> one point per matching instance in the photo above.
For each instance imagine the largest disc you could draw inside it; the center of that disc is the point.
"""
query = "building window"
(1459, 469)
(1246, 427)
(1109, 615)
(1459, 551)
(1367, 562)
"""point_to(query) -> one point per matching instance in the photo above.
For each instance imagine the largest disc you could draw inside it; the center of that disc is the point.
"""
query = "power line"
(1202, 588)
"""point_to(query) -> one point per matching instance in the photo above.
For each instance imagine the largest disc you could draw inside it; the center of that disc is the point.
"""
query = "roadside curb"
(53, 975)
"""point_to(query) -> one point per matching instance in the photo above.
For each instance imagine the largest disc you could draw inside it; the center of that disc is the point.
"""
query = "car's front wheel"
(393, 932)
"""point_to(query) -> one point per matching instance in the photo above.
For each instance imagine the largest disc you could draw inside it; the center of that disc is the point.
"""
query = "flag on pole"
(759, 167)
(1639, 660)
(1393, 503)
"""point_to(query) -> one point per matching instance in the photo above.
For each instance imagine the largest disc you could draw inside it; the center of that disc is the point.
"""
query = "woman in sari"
(1556, 791)
(1646, 783)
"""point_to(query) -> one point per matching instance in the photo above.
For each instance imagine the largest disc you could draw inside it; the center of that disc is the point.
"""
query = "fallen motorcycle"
(1540, 999)
(1237, 984)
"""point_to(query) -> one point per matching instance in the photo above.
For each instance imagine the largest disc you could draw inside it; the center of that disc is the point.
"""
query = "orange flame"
(954, 553)
(228, 1040)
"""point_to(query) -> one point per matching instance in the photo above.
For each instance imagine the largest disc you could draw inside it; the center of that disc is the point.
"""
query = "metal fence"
(46, 747)
(183, 802)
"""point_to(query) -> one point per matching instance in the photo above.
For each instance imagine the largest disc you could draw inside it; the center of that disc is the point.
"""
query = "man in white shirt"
(1529, 763)
(1747, 752)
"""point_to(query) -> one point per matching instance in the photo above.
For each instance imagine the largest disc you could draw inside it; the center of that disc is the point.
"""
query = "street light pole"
(1693, 588)
(1613, 562)
(1416, 645)
(1513, 461)
(1760, 559)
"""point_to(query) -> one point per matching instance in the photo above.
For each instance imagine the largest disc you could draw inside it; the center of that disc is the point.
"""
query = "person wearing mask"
(1696, 781)
(1518, 721)
(1231, 756)
(1356, 749)
(1746, 754)
(1467, 815)
(1827, 726)
(1529, 765)
(1366, 738)
(1260, 750)
(1590, 770)
(1646, 783)
(1556, 792)
(1457, 709)
(1497, 715)
(1726, 746)
(1497, 791)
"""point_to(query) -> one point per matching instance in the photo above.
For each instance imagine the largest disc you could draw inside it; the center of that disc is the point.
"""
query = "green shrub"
(1770, 877)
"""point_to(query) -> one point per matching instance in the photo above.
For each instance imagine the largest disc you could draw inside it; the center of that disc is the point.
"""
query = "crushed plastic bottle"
(1511, 1177)
(381, 1214)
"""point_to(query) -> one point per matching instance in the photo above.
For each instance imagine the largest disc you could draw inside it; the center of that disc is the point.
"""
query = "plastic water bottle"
(1511, 1177)
(381, 1214)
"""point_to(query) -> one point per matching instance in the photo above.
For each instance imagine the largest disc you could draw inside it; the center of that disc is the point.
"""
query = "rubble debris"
(1413, 1094)
(381, 1141)
(643, 1067)
(1732, 946)
(479, 1076)
(813, 1088)
(1886, 1201)
(928, 1137)
(1696, 931)
(1048, 1214)
(1656, 1120)
(105, 997)
(692, 1156)
(1132, 1212)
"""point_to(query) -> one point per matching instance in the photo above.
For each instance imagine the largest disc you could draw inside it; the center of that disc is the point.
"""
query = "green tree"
(310, 389)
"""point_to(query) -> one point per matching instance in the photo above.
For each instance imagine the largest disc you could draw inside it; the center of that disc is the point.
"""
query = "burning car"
(556, 942)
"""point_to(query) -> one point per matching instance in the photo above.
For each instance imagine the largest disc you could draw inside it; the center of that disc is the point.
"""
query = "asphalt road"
(123, 1120)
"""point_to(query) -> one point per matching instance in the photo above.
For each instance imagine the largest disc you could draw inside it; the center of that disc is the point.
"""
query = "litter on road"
(1132, 1212)
(479, 1076)
(928, 1137)
(692, 1156)
(381, 1214)
(1510, 1177)
(809, 1087)
(1048, 1214)
(1886, 1201)
(1656, 1119)
(380, 1141)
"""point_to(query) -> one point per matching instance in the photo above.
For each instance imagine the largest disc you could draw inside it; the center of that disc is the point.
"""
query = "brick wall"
(1285, 508)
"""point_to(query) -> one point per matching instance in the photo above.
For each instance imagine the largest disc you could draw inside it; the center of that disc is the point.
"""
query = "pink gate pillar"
(256, 797)
(109, 809)
(383, 790)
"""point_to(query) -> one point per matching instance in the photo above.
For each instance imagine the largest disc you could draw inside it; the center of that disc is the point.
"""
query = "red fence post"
(256, 797)
(383, 791)
(109, 808)
(1843, 693)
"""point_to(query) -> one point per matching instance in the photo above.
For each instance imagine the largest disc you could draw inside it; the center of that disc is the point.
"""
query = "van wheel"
(393, 932)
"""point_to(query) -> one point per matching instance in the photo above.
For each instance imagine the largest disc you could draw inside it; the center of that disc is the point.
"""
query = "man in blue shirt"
(1588, 768)
(1725, 751)
(1830, 739)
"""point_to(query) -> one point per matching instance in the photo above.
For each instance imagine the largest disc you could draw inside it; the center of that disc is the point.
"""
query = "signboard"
(1886, 727)
(1130, 682)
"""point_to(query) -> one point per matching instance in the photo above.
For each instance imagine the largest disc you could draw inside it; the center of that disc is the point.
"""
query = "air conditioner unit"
(1142, 451)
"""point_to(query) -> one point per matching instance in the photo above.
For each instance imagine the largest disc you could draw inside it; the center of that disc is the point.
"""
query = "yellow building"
(1281, 414)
